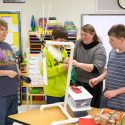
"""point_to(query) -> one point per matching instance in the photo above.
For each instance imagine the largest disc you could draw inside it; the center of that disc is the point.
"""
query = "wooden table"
(45, 117)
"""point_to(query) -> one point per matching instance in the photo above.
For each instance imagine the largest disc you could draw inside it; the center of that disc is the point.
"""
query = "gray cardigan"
(95, 56)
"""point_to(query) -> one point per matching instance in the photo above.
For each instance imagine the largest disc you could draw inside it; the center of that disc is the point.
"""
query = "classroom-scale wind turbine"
(61, 105)
(84, 95)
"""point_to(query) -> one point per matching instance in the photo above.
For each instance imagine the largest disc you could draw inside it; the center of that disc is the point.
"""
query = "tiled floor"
(22, 108)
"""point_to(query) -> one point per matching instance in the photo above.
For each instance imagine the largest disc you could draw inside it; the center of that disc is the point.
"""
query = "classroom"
(62, 62)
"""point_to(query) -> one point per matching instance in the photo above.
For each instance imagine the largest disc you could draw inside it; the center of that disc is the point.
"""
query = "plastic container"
(79, 103)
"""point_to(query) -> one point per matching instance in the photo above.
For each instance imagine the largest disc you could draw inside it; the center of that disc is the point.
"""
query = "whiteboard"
(102, 23)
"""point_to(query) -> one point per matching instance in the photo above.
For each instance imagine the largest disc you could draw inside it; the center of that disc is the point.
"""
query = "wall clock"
(121, 3)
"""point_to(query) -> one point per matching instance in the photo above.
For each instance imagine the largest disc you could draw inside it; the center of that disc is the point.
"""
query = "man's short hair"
(59, 32)
(3, 23)
(117, 31)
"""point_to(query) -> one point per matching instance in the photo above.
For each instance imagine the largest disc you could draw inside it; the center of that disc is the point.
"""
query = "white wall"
(102, 24)
(62, 9)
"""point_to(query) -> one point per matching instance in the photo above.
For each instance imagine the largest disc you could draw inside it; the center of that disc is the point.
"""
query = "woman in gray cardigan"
(89, 61)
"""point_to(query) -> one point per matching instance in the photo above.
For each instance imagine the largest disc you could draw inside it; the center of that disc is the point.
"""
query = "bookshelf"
(70, 39)
(34, 43)
(35, 94)
(23, 69)
(32, 93)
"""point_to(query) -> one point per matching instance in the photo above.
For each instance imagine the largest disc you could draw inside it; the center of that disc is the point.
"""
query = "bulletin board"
(102, 23)
(14, 28)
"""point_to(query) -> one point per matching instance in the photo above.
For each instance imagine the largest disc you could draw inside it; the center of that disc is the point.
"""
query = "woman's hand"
(93, 82)
(75, 63)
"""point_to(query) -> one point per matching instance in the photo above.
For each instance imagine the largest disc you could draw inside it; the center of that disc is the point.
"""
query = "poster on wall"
(14, 29)
(33, 70)
(13, 1)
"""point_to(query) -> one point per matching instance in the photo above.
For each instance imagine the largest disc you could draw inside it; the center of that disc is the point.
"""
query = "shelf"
(30, 85)
(32, 33)
(36, 48)
(23, 67)
(35, 94)
(27, 97)
(34, 102)
(34, 43)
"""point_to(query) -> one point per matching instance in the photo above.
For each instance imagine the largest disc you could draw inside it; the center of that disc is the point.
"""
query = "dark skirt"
(96, 92)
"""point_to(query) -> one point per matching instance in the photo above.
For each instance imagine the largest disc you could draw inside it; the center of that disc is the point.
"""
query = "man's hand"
(66, 60)
(65, 66)
(11, 73)
(110, 94)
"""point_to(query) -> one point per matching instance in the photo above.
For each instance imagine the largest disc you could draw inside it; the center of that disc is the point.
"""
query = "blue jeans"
(51, 99)
(104, 102)
(8, 106)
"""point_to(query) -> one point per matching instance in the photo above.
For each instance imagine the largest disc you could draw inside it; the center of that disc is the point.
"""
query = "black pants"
(96, 92)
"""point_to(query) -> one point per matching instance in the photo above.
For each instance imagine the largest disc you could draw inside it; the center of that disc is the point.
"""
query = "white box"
(79, 101)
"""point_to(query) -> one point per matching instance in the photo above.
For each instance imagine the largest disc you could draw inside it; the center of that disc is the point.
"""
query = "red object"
(85, 121)
(38, 98)
(76, 90)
